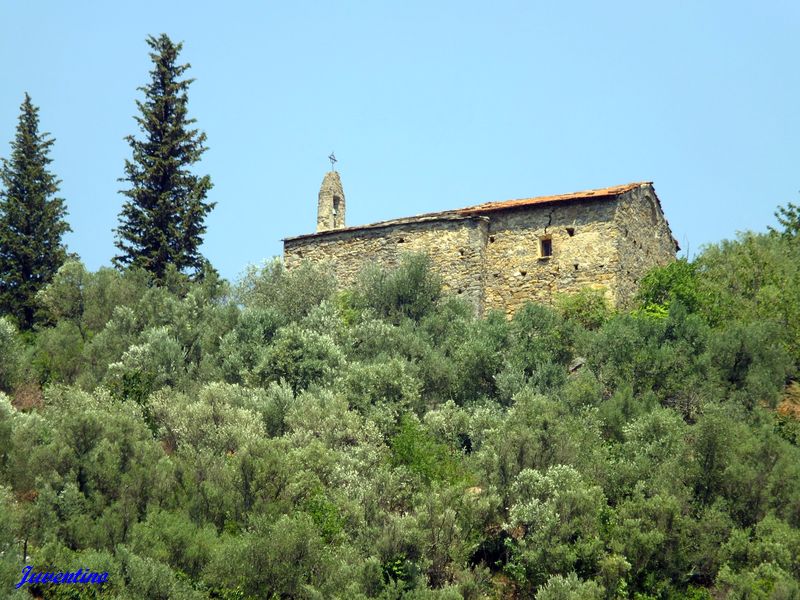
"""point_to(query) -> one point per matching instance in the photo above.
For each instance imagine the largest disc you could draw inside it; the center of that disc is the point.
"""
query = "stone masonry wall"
(456, 246)
(584, 252)
(494, 258)
(644, 239)
(330, 203)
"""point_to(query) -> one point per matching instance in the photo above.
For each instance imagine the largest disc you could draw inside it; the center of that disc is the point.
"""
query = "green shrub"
(300, 357)
(292, 294)
(414, 447)
(409, 291)
(10, 355)
(588, 307)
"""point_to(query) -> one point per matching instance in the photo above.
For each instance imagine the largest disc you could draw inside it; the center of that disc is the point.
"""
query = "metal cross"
(333, 160)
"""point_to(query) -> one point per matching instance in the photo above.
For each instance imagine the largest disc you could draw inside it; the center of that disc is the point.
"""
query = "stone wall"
(584, 252)
(644, 239)
(455, 244)
(330, 203)
(494, 259)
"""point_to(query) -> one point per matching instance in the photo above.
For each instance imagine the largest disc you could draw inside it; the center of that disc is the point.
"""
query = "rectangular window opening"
(545, 247)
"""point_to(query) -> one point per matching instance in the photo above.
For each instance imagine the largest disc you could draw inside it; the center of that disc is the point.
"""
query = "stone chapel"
(501, 254)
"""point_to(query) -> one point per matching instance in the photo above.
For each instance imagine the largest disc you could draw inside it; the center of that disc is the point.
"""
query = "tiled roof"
(608, 192)
(486, 207)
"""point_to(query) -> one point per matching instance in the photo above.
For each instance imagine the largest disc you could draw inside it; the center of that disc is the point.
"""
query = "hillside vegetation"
(281, 439)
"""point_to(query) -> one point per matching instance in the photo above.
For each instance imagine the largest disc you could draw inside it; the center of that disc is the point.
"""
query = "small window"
(545, 247)
(570, 231)
(335, 205)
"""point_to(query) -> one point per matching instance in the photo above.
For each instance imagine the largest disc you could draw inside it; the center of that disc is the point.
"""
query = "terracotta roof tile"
(609, 192)
(486, 207)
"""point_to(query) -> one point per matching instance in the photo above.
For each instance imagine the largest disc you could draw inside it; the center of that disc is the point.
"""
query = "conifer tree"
(31, 219)
(789, 217)
(162, 220)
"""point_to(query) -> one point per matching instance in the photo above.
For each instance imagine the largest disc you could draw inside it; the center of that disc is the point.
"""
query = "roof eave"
(450, 215)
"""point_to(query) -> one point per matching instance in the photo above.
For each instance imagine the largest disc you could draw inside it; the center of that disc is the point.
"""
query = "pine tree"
(162, 220)
(31, 219)
(789, 217)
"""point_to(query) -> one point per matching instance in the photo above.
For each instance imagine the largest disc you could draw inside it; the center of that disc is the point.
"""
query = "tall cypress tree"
(31, 219)
(162, 220)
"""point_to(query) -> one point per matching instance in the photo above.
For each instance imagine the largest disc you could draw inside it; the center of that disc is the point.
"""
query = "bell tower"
(330, 209)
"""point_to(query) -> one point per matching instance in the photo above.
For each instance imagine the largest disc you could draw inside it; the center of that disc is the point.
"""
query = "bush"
(300, 357)
(10, 351)
(149, 366)
(570, 587)
(588, 307)
(242, 347)
(416, 448)
(409, 291)
(285, 559)
(380, 383)
(749, 366)
(676, 281)
(292, 294)
(540, 348)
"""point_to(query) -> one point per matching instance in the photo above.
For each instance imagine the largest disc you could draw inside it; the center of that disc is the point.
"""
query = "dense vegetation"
(280, 439)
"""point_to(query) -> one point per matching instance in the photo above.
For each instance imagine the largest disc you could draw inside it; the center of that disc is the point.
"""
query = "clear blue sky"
(428, 105)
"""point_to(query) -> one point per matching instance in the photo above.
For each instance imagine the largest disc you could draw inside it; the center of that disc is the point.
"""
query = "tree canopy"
(162, 221)
(282, 438)
(32, 219)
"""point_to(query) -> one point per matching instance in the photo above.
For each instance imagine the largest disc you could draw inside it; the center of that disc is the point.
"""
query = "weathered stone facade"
(330, 205)
(502, 254)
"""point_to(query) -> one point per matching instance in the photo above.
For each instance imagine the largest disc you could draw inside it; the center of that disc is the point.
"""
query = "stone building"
(501, 254)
